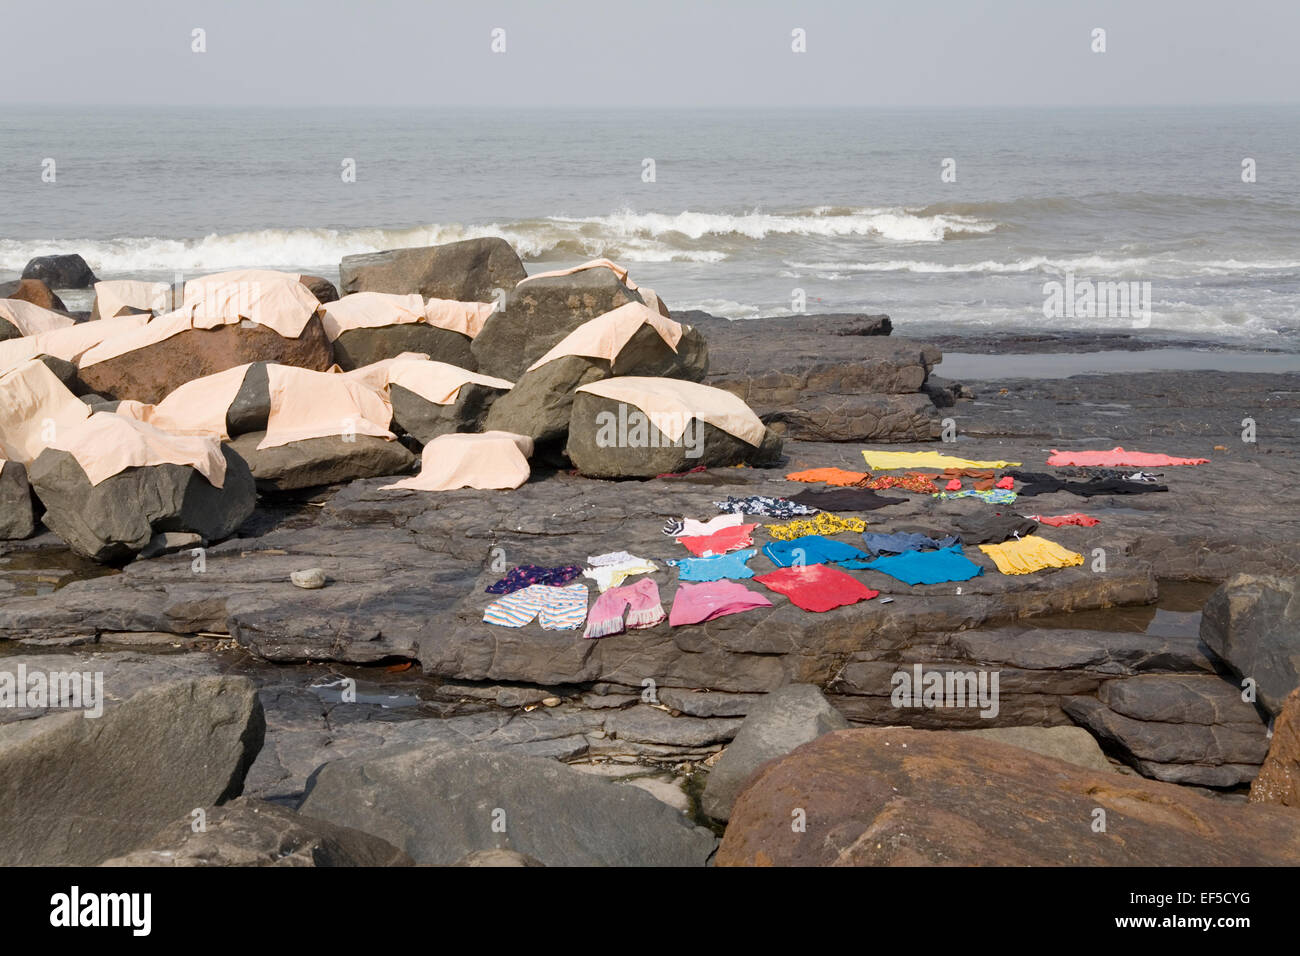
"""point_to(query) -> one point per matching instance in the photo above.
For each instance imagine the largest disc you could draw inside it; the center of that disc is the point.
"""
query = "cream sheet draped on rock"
(438, 382)
(31, 319)
(277, 300)
(105, 444)
(307, 404)
(670, 403)
(159, 330)
(614, 267)
(467, 318)
(374, 310)
(488, 460)
(604, 336)
(114, 295)
(67, 343)
(34, 407)
(195, 408)
(375, 375)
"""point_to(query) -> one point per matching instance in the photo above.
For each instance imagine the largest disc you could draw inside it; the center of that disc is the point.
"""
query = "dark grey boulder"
(441, 804)
(252, 405)
(77, 791)
(776, 725)
(541, 403)
(116, 519)
(314, 462)
(468, 271)
(61, 272)
(17, 510)
(248, 832)
(322, 289)
(710, 446)
(1253, 623)
(358, 347)
(424, 420)
(65, 372)
(541, 312)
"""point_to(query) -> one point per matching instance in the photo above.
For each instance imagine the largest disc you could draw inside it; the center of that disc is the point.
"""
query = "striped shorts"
(556, 608)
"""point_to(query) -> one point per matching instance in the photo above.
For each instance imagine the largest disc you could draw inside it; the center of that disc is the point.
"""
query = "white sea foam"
(1095, 265)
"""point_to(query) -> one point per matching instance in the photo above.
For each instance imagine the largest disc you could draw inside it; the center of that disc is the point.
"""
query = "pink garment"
(641, 600)
(954, 485)
(1056, 521)
(696, 603)
(720, 542)
(1118, 457)
(1006, 482)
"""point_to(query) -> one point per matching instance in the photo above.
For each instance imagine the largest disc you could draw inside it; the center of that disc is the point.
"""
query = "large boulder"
(61, 271)
(322, 289)
(314, 462)
(149, 373)
(77, 791)
(34, 291)
(115, 520)
(424, 420)
(610, 437)
(777, 724)
(17, 512)
(540, 312)
(468, 271)
(440, 804)
(1071, 744)
(1252, 622)
(359, 347)
(1279, 777)
(901, 797)
(248, 832)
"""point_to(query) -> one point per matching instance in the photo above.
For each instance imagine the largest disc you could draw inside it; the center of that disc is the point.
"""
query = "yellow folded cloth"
(824, 523)
(1030, 553)
(890, 460)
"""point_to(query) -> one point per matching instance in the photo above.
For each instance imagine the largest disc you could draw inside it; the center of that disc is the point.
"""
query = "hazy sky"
(653, 53)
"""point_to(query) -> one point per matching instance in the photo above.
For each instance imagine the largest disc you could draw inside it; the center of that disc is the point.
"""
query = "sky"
(657, 53)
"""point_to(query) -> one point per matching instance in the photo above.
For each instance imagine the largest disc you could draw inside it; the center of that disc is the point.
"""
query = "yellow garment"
(1030, 553)
(891, 460)
(824, 523)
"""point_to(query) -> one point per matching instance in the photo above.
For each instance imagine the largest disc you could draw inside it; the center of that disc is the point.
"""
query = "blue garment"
(928, 567)
(811, 549)
(901, 541)
(715, 568)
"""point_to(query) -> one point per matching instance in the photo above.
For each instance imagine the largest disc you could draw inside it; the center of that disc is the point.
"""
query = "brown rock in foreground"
(1279, 778)
(34, 291)
(899, 797)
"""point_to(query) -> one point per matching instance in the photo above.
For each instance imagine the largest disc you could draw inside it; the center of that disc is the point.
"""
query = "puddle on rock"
(45, 570)
(1176, 613)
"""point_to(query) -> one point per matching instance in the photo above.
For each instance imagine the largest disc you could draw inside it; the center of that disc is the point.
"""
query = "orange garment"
(832, 476)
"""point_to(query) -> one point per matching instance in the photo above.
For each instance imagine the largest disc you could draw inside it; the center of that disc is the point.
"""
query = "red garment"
(816, 587)
(1006, 482)
(1118, 457)
(1056, 521)
(680, 474)
(954, 485)
(721, 541)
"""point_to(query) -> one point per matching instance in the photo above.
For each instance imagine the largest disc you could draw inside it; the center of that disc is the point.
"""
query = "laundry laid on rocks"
(993, 528)
(832, 476)
(555, 608)
(995, 496)
(816, 587)
(716, 568)
(106, 444)
(495, 460)
(33, 400)
(762, 505)
(1118, 457)
(900, 542)
(1074, 518)
(607, 576)
(1029, 554)
(1124, 474)
(823, 523)
(690, 528)
(921, 484)
(892, 460)
(720, 541)
(810, 549)
(517, 579)
(845, 499)
(927, 567)
(1040, 483)
(639, 600)
(611, 558)
(697, 603)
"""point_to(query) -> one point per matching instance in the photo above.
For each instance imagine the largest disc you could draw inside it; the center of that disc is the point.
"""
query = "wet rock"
(314, 462)
(885, 797)
(67, 271)
(1253, 623)
(1279, 777)
(467, 271)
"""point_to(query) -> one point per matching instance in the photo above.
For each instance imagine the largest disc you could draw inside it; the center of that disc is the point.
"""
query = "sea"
(947, 220)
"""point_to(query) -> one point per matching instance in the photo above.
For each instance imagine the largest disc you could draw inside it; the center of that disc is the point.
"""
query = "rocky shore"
(379, 720)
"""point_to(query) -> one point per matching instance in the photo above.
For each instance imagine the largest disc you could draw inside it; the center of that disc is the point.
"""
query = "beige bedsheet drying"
(306, 404)
(439, 382)
(67, 343)
(487, 460)
(114, 295)
(159, 330)
(195, 408)
(614, 267)
(670, 403)
(277, 300)
(375, 375)
(467, 318)
(370, 310)
(105, 444)
(604, 336)
(31, 319)
(35, 409)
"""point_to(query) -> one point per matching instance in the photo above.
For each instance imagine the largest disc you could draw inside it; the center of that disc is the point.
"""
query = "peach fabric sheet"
(158, 330)
(67, 343)
(306, 404)
(31, 319)
(277, 300)
(105, 444)
(439, 382)
(467, 318)
(604, 336)
(487, 460)
(112, 296)
(375, 375)
(35, 407)
(195, 408)
(670, 403)
(371, 310)
(614, 267)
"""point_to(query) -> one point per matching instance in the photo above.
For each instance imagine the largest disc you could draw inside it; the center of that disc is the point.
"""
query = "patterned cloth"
(527, 574)
(762, 505)
(824, 523)
(994, 496)
(816, 587)
(556, 608)
(715, 568)
(689, 527)
(1056, 521)
(922, 484)
(1029, 554)
(640, 599)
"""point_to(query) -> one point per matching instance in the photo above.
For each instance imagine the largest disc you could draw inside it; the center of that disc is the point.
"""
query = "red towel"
(954, 485)
(721, 541)
(1007, 482)
(816, 587)
(1056, 521)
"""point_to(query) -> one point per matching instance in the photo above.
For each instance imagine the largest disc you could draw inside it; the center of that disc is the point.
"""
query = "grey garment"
(900, 541)
(993, 529)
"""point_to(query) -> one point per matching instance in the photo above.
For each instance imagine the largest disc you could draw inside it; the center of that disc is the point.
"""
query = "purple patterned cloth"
(527, 575)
